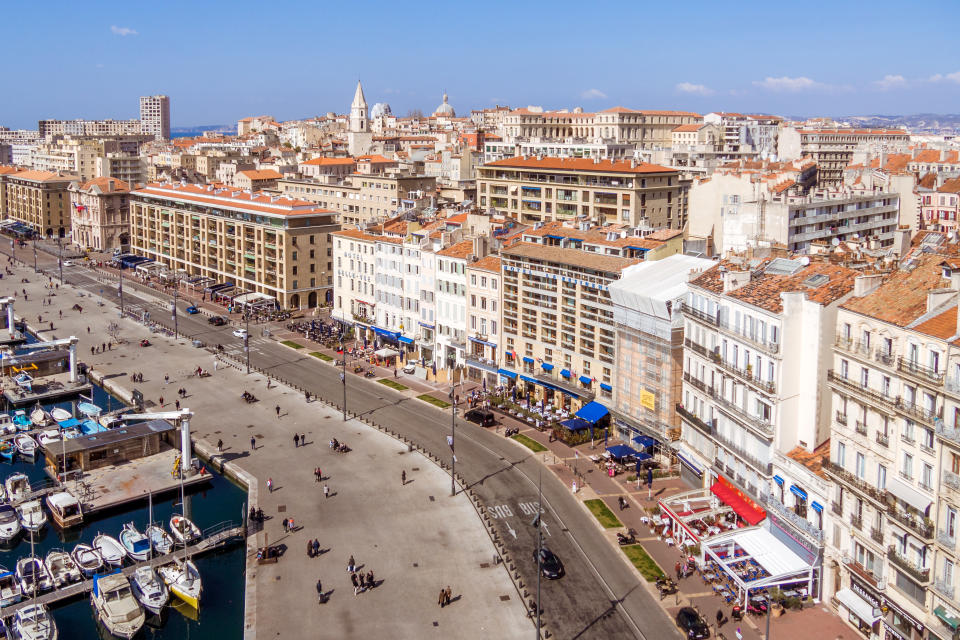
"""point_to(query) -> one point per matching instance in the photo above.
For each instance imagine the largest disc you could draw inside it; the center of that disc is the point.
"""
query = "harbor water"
(221, 609)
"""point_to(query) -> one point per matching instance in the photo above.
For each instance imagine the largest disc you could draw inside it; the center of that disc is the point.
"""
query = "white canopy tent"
(386, 353)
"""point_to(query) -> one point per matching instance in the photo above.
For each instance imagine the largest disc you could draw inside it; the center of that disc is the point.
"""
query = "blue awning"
(686, 461)
(553, 237)
(66, 424)
(605, 387)
(405, 339)
(428, 326)
(644, 441)
(565, 373)
(642, 456)
(507, 373)
(575, 424)
(621, 451)
(526, 359)
(586, 380)
(547, 366)
(529, 379)
(778, 480)
(816, 506)
(392, 335)
(592, 411)
(797, 491)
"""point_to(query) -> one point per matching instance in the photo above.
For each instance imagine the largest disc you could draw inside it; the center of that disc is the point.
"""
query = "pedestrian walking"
(303, 439)
(677, 569)
(403, 477)
(61, 311)
(278, 411)
(166, 378)
(351, 564)
(370, 579)
(319, 591)
(316, 474)
(103, 346)
(447, 594)
(285, 521)
(309, 548)
(316, 547)
(440, 598)
(253, 443)
(220, 445)
(161, 401)
(178, 405)
(326, 492)
(362, 579)
(356, 583)
(719, 618)
(296, 440)
(270, 486)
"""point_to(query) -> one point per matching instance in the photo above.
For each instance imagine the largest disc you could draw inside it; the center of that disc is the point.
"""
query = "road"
(599, 597)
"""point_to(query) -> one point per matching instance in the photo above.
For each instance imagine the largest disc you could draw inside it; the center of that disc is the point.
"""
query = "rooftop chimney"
(936, 297)
(733, 280)
(866, 283)
(901, 241)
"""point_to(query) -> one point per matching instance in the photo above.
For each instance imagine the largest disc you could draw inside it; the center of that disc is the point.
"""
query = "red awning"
(742, 505)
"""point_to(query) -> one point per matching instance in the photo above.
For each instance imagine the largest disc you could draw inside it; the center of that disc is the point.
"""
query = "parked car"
(410, 367)
(483, 417)
(192, 310)
(550, 565)
(692, 624)
(217, 321)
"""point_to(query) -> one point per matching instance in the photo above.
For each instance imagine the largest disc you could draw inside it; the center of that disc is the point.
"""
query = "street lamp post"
(60, 259)
(176, 335)
(35, 254)
(120, 289)
(246, 337)
(343, 375)
(453, 438)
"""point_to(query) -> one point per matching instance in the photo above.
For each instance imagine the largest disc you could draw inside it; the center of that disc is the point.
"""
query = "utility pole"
(539, 543)
(343, 375)
(767, 636)
(246, 337)
(453, 437)
(59, 260)
(35, 270)
(120, 289)
(175, 332)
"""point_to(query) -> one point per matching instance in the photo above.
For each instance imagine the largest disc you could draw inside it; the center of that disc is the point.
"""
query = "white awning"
(857, 606)
(908, 494)
(386, 353)
(773, 555)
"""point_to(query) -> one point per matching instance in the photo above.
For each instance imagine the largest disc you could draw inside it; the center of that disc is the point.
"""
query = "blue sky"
(224, 61)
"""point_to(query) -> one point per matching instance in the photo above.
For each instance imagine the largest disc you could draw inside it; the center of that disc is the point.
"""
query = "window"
(881, 477)
(926, 438)
(926, 477)
(907, 469)
(844, 368)
(864, 377)
(885, 385)
(861, 469)
(841, 454)
(950, 522)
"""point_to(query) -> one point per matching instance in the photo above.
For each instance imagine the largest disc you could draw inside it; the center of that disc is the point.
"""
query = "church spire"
(358, 100)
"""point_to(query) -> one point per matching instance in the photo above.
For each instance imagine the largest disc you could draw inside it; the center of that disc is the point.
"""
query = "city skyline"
(830, 61)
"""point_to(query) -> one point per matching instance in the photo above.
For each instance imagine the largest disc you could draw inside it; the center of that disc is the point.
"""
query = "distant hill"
(920, 122)
(196, 130)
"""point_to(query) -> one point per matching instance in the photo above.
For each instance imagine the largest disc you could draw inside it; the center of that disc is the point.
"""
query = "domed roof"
(445, 109)
(380, 109)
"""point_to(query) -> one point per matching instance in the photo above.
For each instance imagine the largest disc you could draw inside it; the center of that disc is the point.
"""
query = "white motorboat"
(65, 508)
(149, 589)
(89, 409)
(183, 578)
(60, 415)
(160, 540)
(183, 530)
(87, 558)
(9, 523)
(10, 590)
(48, 438)
(26, 446)
(32, 515)
(24, 380)
(63, 569)
(110, 549)
(6, 424)
(34, 622)
(21, 420)
(116, 606)
(136, 544)
(17, 486)
(33, 575)
(39, 417)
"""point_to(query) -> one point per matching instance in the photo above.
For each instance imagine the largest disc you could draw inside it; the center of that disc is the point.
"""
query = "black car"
(217, 321)
(691, 623)
(483, 417)
(550, 565)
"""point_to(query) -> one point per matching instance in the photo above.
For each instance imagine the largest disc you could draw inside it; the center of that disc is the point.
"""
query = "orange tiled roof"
(459, 250)
(374, 159)
(902, 298)
(950, 186)
(487, 263)
(257, 201)
(42, 176)
(929, 181)
(260, 174)
(783, 186)
(687, 128)
(580, 164)
(323, 161)
(814, 460)
(942, 325)
(104, 184)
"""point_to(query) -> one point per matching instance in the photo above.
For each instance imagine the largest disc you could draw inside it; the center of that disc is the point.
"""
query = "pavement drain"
(432, 499)
(436, 624)
(282, 508)
(484, 565)
(504, 598)
(416, 564)
(416, 469)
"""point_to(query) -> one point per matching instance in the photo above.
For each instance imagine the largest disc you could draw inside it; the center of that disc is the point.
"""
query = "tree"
(415, 113)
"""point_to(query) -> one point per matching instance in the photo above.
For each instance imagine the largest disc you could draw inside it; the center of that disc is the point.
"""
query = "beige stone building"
(484, 326)
(361, 198)
(257, 179)
(645, 128)
(128, 167)
(100, 214)
(265, 244)
(537, 189)
(40, 199)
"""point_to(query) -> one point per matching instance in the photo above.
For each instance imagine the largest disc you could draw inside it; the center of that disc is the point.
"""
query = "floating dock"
(47, 393)
(216, 537)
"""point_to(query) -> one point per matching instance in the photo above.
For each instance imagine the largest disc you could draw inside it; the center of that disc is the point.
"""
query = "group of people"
(445, 598)
(299, 440)
(339, 447)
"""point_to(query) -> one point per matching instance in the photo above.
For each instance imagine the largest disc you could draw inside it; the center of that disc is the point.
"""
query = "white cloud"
(122, 31)
(592, 94)
(891, 82)
(697, 89)
(950, 77)
(786, 83)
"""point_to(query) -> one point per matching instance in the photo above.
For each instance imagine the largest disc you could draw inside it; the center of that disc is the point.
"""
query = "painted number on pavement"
(500, 511)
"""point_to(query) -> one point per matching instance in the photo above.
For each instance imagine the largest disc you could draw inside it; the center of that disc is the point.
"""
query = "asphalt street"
(598, 597)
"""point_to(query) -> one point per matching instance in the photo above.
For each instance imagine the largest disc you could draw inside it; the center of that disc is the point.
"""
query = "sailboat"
(182, 576)
(115, 604)
(147, 586)
(40, 417)
(34, 622)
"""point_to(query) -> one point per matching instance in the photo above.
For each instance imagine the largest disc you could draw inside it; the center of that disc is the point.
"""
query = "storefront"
(859, 609)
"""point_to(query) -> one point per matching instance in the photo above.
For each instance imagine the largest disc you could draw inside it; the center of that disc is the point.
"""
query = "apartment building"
(539, 189)
(644, 129)
(649, 347)
(73, 155)
(360, 199)
(397, 293)
(559, 336)
(262, 244)
(126, 167)
(355, 296)
(40, 199)
(755, 364)
(495, 149)
(257, 179)
(336, 167)
(895, 385)
(744, 134)
(613, 240)
(94, 128)
(939, 207)
(451, 303)
(100, 214)
(484, 288)
(833, 149)
(155, 116)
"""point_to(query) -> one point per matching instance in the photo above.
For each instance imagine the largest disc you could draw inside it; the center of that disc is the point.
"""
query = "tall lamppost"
(343, 374)
(246, 337)
(453, 437)
(176, 335)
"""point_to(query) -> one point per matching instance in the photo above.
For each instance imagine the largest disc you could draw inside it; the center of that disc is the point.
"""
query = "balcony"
(857, 522)
(854, 347)
(919, 372)
(951, 480)
(944, 587)
(801, 524)
(706, 427)
(883, 439)
(920, 574)
(861, 392)
(841, 418)
(883, 357)
(836, 508)
(876, 534)
(699, 315)
(949, 433)
(763, 467)
(854, 482)
(921, 529)
(861, 428)
(947, 541)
